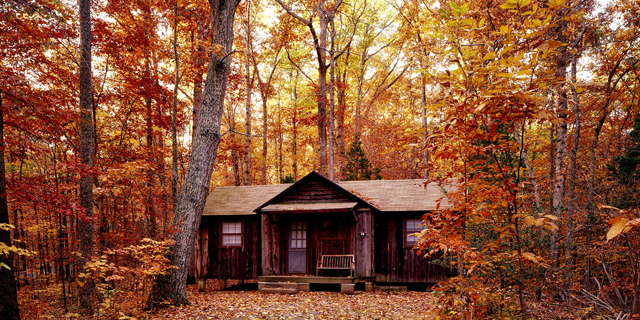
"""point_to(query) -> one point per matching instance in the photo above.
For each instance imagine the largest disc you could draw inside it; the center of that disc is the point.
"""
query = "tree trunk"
(561, 150)
(332, 102)
(9, 298)
(280, 140)
(425, 123)
(294, 124)
(340, 134)
(149, 204)
(264, 140)
(174, 113)
(171, 288)
(247, 119)
(197, 80)
(85, 223)
(321, 50)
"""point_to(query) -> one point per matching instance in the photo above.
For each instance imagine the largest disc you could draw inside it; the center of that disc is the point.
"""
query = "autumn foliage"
(525, 111)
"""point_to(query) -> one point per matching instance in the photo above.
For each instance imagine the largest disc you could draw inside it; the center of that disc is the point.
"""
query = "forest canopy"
(533, 106)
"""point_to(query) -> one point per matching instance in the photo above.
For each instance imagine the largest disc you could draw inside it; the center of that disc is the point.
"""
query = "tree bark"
(294, 124)
(561, 150)
(170, 289)
(85, 222)
(197, 80)
(174, 113)
(332, 101)
(9, 298)
(425, 125)
(247, 119)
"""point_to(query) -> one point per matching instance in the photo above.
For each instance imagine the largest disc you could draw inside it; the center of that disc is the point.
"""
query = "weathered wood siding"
(364, 243)
(337, 239)
(229, 263)
(272, 240)
(202, 252)
(314, 190)
(394, 262)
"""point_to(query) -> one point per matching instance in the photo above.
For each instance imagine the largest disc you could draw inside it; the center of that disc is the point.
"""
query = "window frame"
(406, 233)
(241, 234)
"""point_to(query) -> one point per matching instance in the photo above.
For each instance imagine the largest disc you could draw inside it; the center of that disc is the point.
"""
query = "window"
(412, 226)
(231, 234)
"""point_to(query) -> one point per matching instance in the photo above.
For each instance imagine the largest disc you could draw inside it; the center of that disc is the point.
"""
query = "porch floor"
(307, 279)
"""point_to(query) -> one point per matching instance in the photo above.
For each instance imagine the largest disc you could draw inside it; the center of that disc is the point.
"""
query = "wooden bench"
(337, 262)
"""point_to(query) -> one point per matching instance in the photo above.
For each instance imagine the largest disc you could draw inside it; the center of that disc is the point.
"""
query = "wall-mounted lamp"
(363, 234)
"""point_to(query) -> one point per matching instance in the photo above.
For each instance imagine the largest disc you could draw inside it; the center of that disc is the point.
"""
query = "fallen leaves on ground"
(303, 305)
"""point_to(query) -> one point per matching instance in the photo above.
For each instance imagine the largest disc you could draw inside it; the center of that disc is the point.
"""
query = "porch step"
(391, 288)
(282, 287)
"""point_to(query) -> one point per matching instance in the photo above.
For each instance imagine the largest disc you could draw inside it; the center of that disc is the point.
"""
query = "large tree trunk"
(561, 150)
(197, 80)
(425, 125)
(247, 119)
(321, 50)
(9, 297)
(85, 223)
(170, 289)
(332, 102)
(294, 124)
(264, 140)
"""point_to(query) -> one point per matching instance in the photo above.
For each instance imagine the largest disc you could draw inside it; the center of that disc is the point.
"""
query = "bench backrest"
(342, 261)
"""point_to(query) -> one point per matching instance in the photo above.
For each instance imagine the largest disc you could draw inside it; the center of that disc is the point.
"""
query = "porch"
(294, 284)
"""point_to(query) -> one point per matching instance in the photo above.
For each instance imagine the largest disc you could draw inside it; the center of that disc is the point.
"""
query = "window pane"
(414, 225)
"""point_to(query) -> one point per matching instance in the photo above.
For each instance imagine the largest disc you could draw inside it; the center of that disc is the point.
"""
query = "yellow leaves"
(515, 4)
(544, 221)
(617, 228)
(489, 55)
(6, 226)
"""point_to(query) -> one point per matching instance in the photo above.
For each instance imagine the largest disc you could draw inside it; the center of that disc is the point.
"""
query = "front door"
(297, 255)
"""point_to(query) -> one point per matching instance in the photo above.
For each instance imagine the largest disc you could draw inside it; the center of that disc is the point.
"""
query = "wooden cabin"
(286, 229)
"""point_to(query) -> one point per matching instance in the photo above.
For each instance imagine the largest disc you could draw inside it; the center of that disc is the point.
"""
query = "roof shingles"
(386, 195)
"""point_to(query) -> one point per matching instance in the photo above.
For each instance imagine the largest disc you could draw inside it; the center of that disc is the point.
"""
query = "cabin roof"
(385, 195)
(239, 200)
(398, 195)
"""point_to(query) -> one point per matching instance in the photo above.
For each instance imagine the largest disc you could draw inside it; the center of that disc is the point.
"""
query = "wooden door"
(297, 249)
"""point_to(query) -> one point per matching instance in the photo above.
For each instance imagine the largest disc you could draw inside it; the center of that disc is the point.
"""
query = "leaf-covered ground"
(303, 305)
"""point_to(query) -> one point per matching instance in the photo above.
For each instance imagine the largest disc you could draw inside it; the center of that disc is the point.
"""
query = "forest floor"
(303, 305)
(251, 304)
